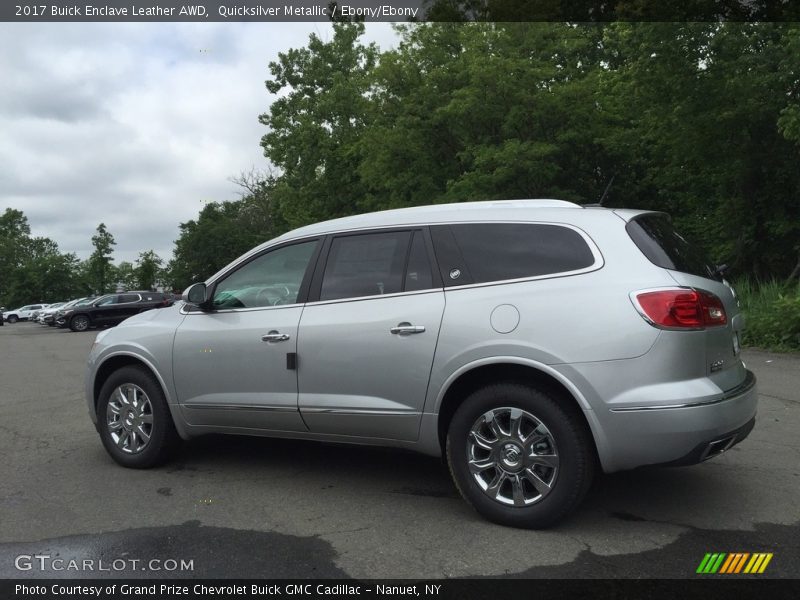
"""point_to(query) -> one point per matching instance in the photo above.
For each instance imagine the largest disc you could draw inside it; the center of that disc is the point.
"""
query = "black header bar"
(707, 588)
(267, 11)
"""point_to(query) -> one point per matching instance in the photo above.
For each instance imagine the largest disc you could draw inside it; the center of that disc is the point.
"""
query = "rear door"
(687, 264)
(367, 341)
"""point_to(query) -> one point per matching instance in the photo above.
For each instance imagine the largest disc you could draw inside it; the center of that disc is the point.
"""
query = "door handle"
(275, 336)
(407, 329)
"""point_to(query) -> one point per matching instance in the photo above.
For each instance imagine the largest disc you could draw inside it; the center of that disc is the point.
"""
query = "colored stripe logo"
(734, 562)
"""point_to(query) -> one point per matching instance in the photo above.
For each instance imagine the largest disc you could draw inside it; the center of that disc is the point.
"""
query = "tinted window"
(665, 247)
(128, 298)
(419, 275)
(483, 252)
(365, 265)
(272, 279)
(106, 300)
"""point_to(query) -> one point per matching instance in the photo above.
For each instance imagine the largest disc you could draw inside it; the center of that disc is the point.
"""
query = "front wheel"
(519, 456)
(12, 319)
(134, 420)
(79, 323)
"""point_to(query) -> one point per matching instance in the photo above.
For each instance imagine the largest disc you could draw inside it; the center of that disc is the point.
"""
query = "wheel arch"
(473, 377)
(123, 359)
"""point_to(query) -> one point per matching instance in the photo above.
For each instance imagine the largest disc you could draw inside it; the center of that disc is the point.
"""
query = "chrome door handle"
(275, 336)
(407, 329)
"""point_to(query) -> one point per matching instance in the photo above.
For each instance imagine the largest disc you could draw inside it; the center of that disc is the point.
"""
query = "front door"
(367, 341)
(230, 363)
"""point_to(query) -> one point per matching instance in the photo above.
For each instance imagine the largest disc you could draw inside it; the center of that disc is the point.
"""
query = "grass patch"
(772, 313)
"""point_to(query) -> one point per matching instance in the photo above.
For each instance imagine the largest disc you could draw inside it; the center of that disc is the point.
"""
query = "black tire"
(163, 437)
(79, 323)
(12, 319)
(572, 444)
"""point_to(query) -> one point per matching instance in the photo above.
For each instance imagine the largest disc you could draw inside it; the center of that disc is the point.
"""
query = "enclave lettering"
(106, 11)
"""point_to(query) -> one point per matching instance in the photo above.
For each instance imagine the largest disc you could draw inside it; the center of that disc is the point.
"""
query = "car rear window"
(663, 246)
(485, 252)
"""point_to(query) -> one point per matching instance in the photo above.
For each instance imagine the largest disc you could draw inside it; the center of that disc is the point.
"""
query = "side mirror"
(196, 295)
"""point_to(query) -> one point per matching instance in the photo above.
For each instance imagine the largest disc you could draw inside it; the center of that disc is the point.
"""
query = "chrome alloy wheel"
(512, 456)
(129, 418)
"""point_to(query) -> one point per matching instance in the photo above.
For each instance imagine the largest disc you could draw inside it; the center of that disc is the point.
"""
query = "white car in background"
(23, 313)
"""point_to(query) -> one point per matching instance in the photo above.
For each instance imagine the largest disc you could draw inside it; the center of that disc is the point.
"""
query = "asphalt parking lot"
(241, 507)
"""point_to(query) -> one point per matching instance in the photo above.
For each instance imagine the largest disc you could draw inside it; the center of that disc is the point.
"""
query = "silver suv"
(530, 342)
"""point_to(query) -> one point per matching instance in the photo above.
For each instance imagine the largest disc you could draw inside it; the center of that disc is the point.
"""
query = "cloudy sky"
(135, 125)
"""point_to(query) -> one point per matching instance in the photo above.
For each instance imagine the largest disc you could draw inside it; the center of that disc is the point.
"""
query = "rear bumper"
(713, 447)
(684, 433)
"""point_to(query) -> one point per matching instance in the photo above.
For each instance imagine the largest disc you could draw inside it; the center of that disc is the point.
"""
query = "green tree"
(100, 267)
(696, 111)
(14, 236)
(480, 111)
(125, 275)
(316, 123)
(147, 271)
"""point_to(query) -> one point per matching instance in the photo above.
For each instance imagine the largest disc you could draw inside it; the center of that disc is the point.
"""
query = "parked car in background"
(530, 342)
(2, 310)
(60, 318)
(22, 313)
(111, 309)
(47, 315)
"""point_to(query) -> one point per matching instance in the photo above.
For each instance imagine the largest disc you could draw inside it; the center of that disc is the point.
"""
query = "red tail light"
(681, 308)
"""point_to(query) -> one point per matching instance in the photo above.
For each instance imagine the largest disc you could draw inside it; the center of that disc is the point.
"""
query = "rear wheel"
(134, 420)
(79, 323)
(519, 456)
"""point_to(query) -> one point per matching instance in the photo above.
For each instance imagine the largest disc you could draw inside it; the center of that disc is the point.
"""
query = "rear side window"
(365, 265)
(666, 248)
(125, 298)
(485, 252)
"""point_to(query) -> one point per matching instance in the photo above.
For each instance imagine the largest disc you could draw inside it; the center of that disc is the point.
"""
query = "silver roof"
(435, 213)
(541, 210)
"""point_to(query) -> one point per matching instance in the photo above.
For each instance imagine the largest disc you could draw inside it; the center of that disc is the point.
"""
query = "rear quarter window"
(665, 247)
(486, 252)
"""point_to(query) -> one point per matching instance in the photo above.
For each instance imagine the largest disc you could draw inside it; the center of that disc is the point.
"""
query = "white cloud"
(134, 125)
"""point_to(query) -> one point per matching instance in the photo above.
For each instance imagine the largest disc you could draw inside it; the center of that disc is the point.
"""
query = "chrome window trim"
(185, 309)
(599, 263)
(376, 296)
(598, 256)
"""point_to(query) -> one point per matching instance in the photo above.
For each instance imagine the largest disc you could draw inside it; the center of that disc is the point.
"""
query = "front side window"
(272, 279)
(123, 298)
(106, 300)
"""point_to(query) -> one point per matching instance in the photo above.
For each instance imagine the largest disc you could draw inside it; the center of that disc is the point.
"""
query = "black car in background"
(110, 309)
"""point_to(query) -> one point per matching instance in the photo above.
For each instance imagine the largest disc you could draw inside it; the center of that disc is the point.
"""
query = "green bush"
(772, 312)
